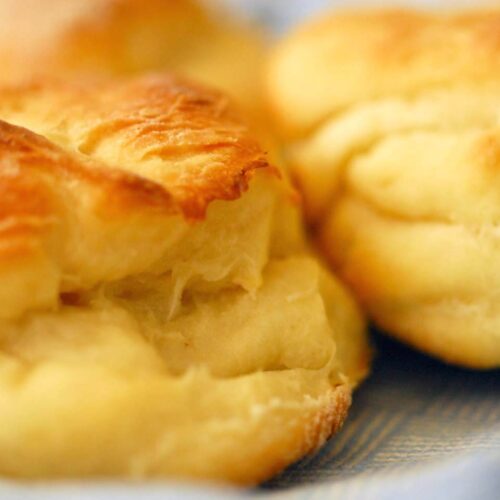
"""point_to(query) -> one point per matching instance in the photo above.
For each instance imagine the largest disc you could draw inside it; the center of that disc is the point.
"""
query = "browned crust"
(201, 149)
(313, 431)
(35, 175)
(402, 38)
(353, 56)
(24, 155)
(155, 116)
(303, 434)
(396, 33)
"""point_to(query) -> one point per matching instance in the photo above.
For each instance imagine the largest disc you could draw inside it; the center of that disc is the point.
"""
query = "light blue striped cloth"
(417, 429)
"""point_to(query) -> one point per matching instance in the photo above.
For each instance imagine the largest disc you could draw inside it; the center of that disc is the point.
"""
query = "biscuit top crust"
(99, 180)
(152, 138)
(356, 56)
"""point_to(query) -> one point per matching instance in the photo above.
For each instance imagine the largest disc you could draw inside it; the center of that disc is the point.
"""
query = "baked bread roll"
(160, 314)
(391, 120)
(122, 37)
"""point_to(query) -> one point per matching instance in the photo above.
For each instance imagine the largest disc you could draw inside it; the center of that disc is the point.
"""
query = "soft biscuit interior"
(172, 330)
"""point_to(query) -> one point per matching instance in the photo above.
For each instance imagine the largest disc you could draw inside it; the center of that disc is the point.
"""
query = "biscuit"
(160, 313)
(391, 123)
(124, 37)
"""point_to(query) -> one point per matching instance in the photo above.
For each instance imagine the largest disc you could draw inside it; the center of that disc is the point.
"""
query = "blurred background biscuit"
(107, 37)
(391, 123)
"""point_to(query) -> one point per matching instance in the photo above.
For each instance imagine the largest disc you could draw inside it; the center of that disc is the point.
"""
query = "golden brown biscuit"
(392, 124)
(160, 313)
